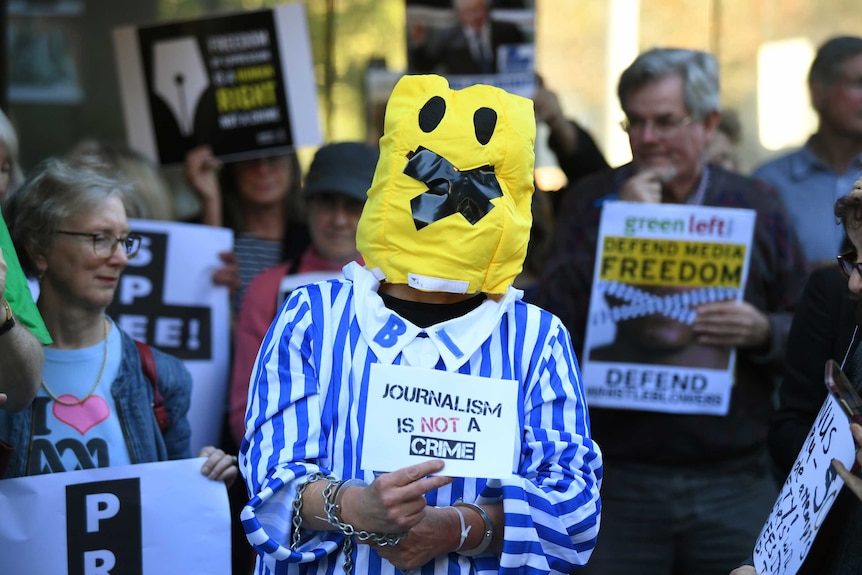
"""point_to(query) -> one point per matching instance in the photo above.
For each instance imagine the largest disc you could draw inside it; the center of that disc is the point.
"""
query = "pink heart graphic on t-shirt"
(83, 416)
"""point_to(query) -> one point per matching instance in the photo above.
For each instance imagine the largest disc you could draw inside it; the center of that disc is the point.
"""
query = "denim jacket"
(133, 394)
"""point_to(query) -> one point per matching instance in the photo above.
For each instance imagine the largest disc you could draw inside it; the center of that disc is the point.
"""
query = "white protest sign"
(807, 494)
(414, 415)
(166, 298)
(164, 518)
(292, 281)
(655, 264)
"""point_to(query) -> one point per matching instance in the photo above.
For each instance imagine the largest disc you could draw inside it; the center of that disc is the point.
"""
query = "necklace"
(95, 385)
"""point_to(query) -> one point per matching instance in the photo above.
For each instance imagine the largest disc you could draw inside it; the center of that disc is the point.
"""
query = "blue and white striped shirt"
(306, 412)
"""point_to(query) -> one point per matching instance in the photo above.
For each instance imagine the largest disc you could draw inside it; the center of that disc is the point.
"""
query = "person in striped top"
(443, 234)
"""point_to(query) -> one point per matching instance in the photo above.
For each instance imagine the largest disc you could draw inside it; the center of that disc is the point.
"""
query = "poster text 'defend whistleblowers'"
(655, 266)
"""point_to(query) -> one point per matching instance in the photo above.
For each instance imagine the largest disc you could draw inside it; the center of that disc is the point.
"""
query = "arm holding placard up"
(202, 175)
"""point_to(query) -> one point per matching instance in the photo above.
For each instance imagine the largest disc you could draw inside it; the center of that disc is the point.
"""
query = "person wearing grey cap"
(335, 190)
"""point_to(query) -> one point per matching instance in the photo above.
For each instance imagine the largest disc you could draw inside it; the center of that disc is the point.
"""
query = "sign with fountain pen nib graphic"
(414, 415)
(242, 83)
(657, 265)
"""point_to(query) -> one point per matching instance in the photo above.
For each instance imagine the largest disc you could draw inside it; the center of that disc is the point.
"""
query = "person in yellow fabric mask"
(443, 234)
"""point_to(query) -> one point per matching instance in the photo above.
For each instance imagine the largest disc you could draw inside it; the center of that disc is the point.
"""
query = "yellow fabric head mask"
(449, 207)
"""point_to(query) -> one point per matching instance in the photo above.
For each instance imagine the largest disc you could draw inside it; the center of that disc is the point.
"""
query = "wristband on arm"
(488, 533)
(465, 529)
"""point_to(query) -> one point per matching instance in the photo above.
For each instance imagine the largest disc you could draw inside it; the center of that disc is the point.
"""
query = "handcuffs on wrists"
(332, 509)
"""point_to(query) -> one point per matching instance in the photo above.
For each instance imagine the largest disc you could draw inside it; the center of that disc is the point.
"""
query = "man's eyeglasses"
(104, 244)
(848, 263)
(663, 126)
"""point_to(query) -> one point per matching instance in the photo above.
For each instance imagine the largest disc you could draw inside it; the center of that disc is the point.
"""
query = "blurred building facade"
(764, 48)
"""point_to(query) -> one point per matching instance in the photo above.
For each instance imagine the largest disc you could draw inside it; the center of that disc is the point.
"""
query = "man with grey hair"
(682, 493)
(810, 179)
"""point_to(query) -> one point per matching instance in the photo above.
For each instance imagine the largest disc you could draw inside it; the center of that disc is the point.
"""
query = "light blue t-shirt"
(809, 190)
(87, 435)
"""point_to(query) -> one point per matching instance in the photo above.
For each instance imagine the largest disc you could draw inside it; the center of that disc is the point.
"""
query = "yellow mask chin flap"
(449, 207)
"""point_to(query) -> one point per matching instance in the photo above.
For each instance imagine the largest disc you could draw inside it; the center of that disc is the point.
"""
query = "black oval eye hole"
(432, 114)
(484, 122)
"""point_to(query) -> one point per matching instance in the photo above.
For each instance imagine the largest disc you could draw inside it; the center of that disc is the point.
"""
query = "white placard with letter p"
(163, 517)
(414, 415)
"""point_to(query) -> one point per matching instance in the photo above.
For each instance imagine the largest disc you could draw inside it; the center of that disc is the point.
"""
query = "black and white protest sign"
(241, 83)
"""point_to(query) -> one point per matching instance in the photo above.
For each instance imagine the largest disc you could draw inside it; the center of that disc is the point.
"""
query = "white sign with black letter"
(416, 414)
(164, 518)
(166, 298)
(807, 494)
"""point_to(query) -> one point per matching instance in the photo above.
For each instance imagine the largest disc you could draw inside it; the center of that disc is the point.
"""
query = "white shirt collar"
(388, 334)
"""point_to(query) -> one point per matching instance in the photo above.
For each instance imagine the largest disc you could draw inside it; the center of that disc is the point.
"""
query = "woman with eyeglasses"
(95, 405)
(827, 325)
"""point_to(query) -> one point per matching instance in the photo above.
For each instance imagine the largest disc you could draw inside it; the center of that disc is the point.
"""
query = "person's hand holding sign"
(731, 323)
(219, 465)
(394, 502)
(228, 274)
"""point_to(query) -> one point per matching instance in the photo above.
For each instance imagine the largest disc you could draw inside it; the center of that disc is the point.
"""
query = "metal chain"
(331, 511)
(348, 554)
(297, 508)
